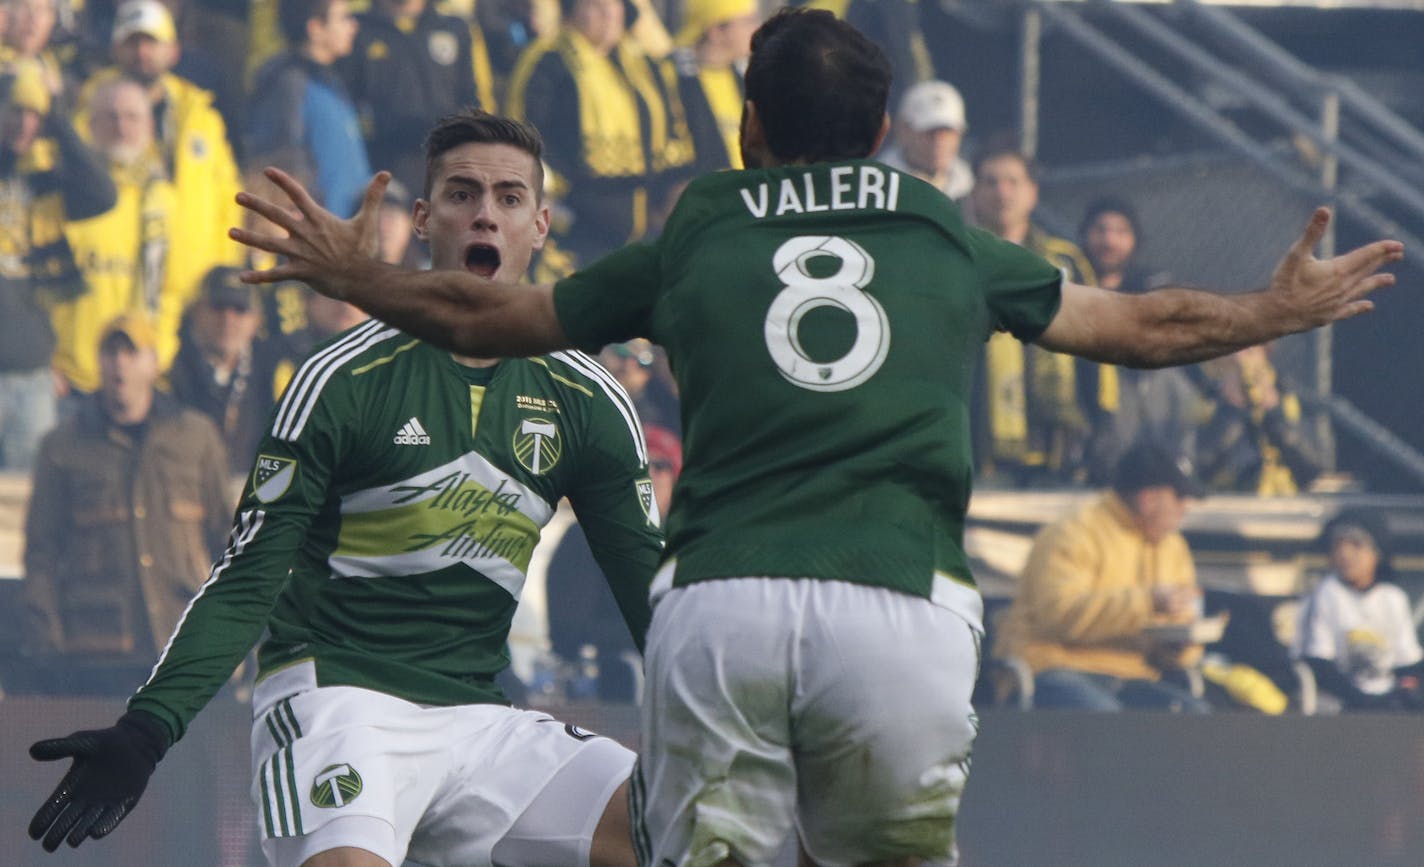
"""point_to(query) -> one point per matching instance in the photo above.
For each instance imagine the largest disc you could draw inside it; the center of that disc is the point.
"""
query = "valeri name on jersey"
(412, 433)
(272, 476)
(843, 189)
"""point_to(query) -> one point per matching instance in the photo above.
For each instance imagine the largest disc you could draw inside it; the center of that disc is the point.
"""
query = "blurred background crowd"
(136, 370)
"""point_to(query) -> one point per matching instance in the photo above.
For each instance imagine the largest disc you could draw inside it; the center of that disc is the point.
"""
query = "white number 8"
(804, 293)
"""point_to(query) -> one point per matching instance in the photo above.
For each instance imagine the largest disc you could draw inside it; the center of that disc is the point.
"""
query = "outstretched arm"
(1176, 325)
(455, 310)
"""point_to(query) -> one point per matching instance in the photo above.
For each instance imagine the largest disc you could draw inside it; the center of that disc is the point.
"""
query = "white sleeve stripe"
(301, 381)
(617, 392)
(293, 428)
(616, 395)
(243, 532)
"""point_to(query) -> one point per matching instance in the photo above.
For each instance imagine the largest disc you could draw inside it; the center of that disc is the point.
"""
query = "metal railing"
(1354, 133)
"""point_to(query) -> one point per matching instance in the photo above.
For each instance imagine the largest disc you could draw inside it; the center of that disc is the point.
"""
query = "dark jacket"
(122, 529)
(241, 406)
(404, 81)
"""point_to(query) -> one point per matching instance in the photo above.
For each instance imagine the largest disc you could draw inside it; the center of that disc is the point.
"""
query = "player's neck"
(470, 362)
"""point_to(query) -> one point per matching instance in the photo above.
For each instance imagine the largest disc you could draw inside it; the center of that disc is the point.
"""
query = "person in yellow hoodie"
(124, 251)
(1096, 579)
(192, 141)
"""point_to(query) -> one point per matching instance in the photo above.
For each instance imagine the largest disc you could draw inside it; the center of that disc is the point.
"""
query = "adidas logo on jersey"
(412, 434)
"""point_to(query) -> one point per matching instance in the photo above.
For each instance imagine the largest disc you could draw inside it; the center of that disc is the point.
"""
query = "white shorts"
(460, 786)
(839, 709)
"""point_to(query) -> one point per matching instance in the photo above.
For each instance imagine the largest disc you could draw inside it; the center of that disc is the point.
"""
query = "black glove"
(110, 771)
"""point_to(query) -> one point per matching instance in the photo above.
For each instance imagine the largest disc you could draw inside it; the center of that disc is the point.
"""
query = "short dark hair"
(293, 15)
(1373, 523)
(480, 127)
(819, 86)
(1110, 205)
(1000, 153)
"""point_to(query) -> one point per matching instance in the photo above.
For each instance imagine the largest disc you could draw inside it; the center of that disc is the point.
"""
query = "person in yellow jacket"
(47, 178)
(191, 138)
(123, 252)
(1096, 580)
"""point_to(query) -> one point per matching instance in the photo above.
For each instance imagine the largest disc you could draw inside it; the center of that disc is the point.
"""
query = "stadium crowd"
(126, 131)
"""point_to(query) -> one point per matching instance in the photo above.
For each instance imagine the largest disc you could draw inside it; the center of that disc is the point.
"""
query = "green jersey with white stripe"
(390, 516)
(823, 322)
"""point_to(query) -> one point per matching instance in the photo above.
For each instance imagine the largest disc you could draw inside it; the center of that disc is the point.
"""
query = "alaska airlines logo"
(412, 434)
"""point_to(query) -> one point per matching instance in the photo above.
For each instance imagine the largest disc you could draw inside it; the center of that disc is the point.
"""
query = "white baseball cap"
(931, 105)
(149, 17)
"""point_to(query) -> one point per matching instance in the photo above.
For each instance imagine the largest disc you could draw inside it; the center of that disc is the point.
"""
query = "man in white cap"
(191, 137)
(929, 128)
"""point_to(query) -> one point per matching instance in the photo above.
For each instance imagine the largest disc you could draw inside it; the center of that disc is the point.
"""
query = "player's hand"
(1313, 292)
(320, 249)
(110, 771)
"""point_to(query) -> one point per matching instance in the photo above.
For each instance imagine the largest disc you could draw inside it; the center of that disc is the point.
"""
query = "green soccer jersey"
(391, 513)
(823, 323)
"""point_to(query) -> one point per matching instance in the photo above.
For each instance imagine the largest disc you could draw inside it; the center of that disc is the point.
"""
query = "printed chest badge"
(537, 444)
(272, 476)
(336, 786)
(537, 439)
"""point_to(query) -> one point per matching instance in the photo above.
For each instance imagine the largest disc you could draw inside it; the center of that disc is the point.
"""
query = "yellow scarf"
(608, 105)
(1007, 401)
(724, 95)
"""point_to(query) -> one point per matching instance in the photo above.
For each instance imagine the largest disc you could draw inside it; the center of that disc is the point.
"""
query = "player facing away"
(404, 488)
(815, 627)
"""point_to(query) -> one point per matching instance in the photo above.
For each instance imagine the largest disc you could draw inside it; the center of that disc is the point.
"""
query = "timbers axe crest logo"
(537, 445)
(336, 786)
(272, 476)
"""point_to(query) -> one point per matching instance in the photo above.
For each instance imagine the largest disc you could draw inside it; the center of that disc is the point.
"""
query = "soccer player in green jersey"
(816, 629)
(382, 542)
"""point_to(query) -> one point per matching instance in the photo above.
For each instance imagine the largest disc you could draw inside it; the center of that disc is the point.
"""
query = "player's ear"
(419, 218)
(880, 136)
(753, 137)
(541, 226)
